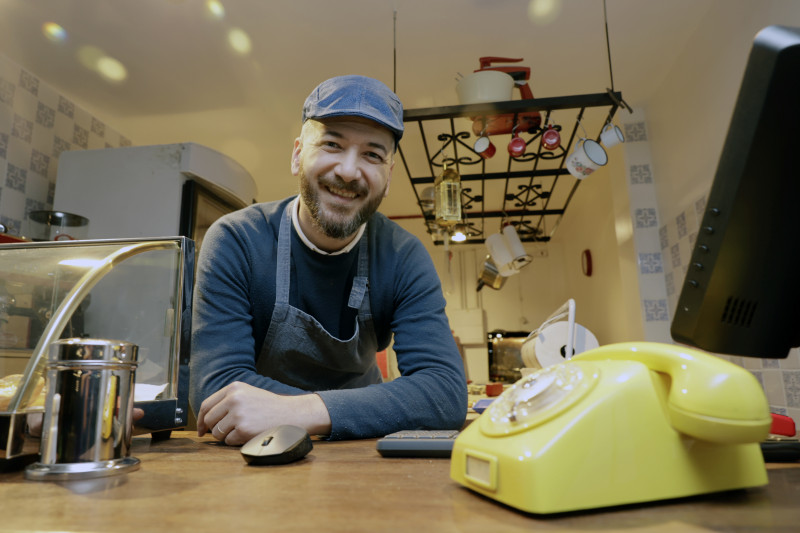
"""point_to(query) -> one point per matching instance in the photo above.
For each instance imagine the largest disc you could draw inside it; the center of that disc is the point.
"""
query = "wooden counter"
(188, 483)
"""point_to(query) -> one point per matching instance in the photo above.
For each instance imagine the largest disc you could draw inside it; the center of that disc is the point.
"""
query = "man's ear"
(298, 145)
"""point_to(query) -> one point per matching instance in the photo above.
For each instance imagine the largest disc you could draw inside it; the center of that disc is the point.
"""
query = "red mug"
(517, 146)
(551, 139)
(484, 147)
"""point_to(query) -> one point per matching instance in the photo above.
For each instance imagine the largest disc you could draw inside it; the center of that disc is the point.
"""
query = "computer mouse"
(277, 446)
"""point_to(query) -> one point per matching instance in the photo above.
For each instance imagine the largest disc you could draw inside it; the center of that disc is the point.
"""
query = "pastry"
(8, 387)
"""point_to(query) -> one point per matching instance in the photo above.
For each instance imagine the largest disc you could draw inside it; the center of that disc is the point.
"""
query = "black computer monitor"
(741, 294)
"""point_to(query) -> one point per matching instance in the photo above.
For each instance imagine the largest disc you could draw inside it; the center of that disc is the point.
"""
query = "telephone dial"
(623, 423)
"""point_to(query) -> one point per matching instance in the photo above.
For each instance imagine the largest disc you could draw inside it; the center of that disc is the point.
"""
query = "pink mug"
(517, 146)
(551, 139)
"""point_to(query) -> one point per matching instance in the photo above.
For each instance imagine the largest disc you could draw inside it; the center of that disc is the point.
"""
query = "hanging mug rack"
(536, 185)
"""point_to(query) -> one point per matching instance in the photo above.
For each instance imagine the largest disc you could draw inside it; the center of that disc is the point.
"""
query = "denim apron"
(299, 351)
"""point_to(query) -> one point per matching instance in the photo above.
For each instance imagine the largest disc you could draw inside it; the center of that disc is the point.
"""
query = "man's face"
(345, 166)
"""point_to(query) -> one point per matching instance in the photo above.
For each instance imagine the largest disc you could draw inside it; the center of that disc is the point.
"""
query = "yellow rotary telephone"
(620, 424)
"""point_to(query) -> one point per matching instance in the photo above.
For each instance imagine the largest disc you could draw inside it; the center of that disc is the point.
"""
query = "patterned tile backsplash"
(641, 178)
(36, 125)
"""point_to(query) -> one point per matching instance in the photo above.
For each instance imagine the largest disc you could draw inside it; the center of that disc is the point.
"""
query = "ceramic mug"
(587, 157)
(551, 139)
(611, 135)
(517, 146)
(484, 147)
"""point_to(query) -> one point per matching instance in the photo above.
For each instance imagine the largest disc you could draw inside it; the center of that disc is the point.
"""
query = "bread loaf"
(8, 388)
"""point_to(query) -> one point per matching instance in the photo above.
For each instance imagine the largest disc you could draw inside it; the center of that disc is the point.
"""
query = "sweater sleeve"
(431, 392)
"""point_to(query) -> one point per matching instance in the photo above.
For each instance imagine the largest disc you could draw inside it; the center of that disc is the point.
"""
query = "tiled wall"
(644, 215)
(664, 248)
(36, 125)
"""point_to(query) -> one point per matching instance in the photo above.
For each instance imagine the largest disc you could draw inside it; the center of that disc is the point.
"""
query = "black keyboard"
(418, 443)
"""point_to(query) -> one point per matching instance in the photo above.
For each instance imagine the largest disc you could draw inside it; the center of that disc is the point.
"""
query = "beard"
(335, 221)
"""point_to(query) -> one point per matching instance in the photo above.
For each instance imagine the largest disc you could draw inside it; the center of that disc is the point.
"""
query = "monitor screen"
(741, 294)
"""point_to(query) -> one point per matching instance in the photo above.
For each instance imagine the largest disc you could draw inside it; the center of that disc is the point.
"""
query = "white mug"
(611, 135)
(484, 147)
(587, 157)
(514, 244)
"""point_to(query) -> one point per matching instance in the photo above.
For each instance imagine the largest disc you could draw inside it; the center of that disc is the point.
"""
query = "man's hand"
(239, 412)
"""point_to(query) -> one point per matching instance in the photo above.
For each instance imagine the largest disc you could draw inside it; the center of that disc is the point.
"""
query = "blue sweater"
(235, 295)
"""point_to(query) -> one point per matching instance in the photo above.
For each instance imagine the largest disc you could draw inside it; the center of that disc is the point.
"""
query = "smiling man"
(294, 298)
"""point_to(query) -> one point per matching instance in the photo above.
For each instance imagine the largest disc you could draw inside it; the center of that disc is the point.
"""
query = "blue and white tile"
(791, 387)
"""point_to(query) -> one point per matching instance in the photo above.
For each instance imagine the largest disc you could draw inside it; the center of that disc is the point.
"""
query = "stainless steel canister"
(88, 422)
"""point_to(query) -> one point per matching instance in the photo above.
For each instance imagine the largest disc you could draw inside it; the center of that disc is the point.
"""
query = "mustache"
(336, 182)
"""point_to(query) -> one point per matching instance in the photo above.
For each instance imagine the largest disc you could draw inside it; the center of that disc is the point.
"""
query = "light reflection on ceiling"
(215, 9)
(239, 41)
(113, 70)
(543, 12)
(54, 33)
(98, 61)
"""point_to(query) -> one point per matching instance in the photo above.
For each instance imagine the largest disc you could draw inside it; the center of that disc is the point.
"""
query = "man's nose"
(348, 168)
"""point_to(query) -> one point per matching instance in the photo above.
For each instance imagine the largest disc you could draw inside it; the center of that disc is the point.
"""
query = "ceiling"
(185, 83)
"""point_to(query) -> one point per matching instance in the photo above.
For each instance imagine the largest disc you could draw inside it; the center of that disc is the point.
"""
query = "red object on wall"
(586, 262)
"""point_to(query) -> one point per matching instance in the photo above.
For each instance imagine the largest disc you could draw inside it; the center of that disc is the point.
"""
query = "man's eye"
(375, 157)
(331, 145)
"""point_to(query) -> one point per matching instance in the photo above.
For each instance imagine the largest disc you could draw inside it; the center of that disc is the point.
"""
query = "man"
(294, 298)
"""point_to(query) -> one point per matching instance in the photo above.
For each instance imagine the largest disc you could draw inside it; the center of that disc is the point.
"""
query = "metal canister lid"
(86, 349)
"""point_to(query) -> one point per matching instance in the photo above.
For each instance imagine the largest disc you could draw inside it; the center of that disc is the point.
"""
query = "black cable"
(608, 46)
(394, 51)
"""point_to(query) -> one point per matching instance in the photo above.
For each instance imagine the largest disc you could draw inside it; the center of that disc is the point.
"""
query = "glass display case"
(132, 290)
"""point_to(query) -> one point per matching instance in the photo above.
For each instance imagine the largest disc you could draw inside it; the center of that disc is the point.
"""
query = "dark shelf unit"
(536, 186)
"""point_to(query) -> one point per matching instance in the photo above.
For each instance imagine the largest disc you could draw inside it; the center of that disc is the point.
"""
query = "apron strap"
(361, 280)
(283, 267)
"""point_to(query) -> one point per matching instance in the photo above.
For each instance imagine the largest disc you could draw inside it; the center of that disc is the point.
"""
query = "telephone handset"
(709, 398)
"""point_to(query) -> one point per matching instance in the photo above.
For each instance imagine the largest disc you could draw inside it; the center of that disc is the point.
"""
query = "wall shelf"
(531, 191)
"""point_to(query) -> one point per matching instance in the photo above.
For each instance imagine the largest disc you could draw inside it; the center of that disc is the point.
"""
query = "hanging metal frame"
(526, 206)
